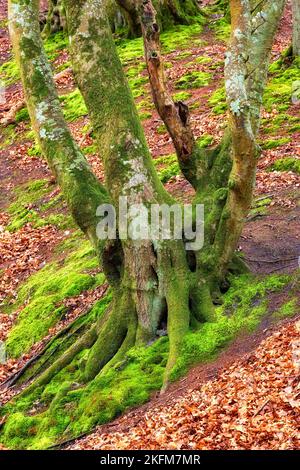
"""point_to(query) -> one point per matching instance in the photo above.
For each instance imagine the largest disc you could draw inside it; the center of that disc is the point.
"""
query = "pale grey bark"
(296, 27)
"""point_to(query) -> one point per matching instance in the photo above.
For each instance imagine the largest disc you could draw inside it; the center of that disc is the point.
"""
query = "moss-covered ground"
(66, 408)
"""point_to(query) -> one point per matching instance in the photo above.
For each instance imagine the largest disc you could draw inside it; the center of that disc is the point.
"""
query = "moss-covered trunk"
(56, 19)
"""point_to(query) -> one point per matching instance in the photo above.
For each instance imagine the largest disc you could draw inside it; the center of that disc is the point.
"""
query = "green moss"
(9, 72)
(222, 29)
(205, 140)
(68, 410)
(137, 85)
(21, 210)
(218, 101)
(288, 309)
(279, 89)
(73, 105)
(193, 80)
(179, 37)
(55, 43)
(167, 167)
(244, 306)
(44, 293)
(161, 129)
(274, 143)
(181, 96)
(286, 164)
(260, 207)
(34, 151)
(22, 115)
(282, 120)
(90, 149)
(145, 115)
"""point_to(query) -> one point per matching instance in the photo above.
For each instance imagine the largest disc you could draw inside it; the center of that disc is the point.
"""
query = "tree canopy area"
(184, 116)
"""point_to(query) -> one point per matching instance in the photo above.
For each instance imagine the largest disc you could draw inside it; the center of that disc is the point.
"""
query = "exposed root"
(86, 341)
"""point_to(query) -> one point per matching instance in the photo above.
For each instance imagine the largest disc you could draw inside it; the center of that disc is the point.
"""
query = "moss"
(9, 72)
(167, 167)
(179, 37)
(34, 151)
(205, 140)
(145, 115)
(281, 121)
(73, 105)
(44, 293)
(218, 101)
(222, 29)
(193, 80)
(21, 210)
(286, 164)
(288, 309)
(90, 149)
(161, 129)
(279, 89)
(244, 306)
(55, 43)
(69, 409)
(137, 85)
(260, 207)
(274, 143)
(181, 96)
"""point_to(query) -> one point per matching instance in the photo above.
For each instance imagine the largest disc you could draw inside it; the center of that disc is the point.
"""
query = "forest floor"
(249, 396)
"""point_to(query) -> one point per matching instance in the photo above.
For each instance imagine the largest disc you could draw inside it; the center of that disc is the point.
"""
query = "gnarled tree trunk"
(56, 18)
(151, 279)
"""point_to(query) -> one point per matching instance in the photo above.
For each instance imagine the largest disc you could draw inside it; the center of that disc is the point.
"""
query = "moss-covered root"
(86, 341)
(116, 335)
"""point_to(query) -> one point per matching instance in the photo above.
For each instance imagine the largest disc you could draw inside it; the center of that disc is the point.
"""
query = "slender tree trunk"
(150, 278)
(296, 27)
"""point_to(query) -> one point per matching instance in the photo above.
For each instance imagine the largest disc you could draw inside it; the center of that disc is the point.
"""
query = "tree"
(56, 20)
(169, 12)
(296, 27)
(150, 279)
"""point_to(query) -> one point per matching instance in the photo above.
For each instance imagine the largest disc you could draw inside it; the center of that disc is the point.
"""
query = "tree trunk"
(151, 278)
(296, 27)
(169, 12)
(56, 19)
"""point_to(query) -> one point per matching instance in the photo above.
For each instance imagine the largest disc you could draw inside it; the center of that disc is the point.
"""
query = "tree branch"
(175, 115)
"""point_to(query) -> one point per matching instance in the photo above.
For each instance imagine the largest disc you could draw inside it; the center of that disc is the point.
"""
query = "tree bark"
(296, 27)
(150, 278)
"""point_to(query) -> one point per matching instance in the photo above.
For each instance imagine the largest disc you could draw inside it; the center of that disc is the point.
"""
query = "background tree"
(296, 27)
(151, 280)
